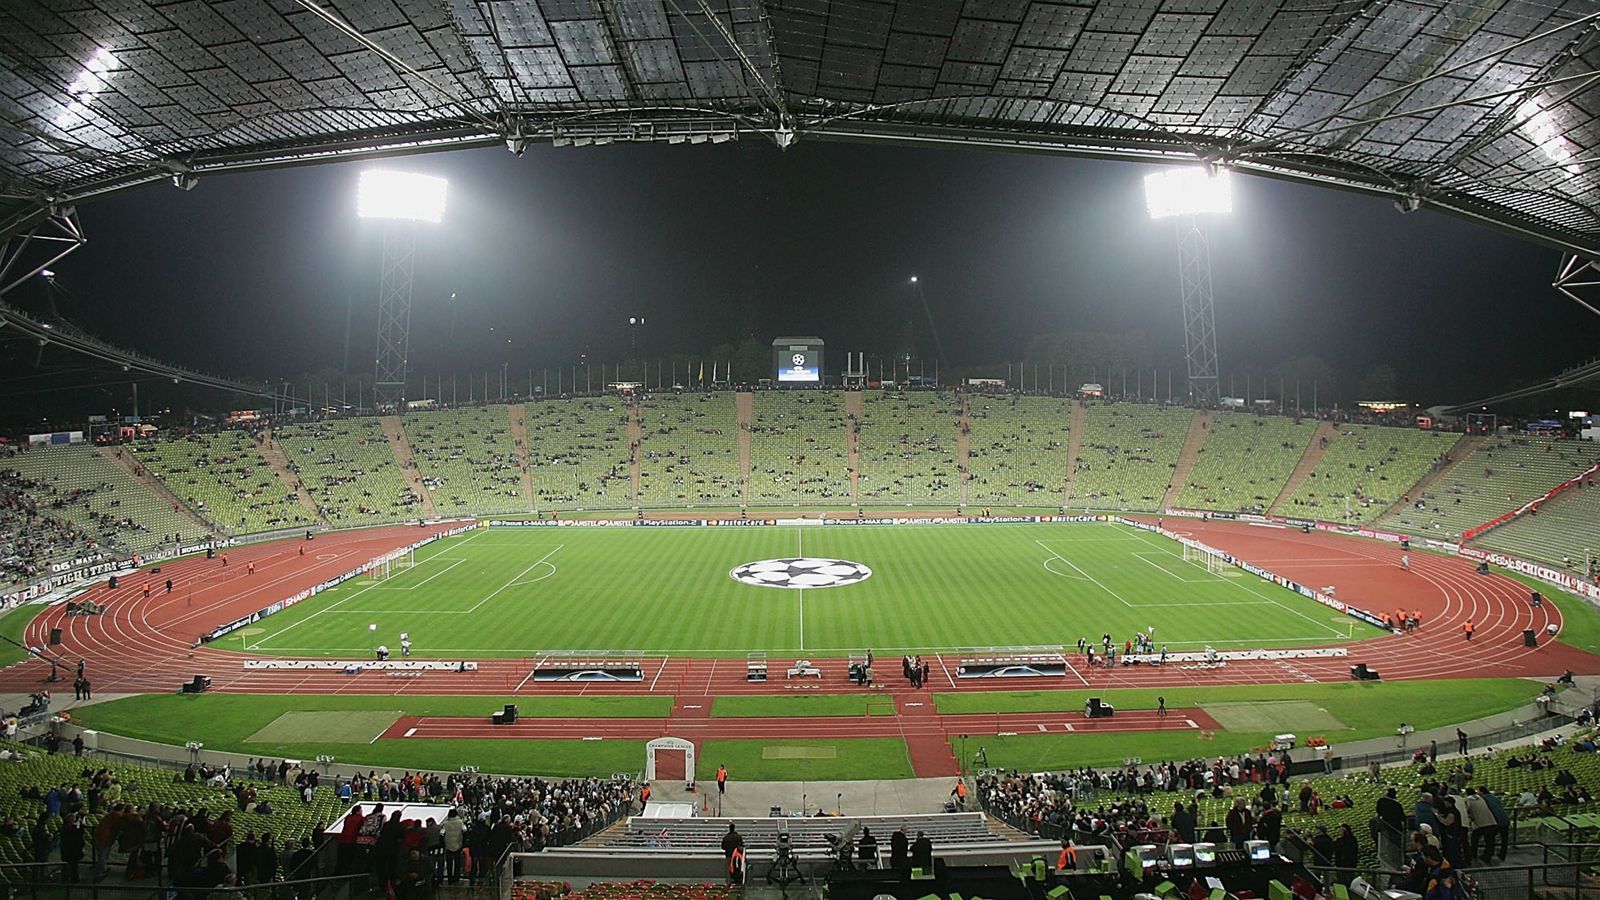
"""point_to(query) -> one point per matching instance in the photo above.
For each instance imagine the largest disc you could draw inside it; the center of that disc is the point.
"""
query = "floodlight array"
(1187, 192)
(387, 194)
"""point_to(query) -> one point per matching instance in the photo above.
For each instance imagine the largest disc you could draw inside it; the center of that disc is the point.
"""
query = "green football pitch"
(520, 591)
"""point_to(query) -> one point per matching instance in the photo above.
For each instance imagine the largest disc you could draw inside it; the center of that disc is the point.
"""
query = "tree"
(1380, 383)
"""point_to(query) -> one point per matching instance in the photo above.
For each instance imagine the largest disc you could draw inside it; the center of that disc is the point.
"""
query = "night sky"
(253, 275)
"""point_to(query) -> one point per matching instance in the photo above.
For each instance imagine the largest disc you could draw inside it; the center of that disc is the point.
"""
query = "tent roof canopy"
(1484, 108)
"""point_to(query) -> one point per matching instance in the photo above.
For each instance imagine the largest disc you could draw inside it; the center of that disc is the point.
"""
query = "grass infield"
(1275, 715)
(1367, 710)
(864, 759)
(325, 726)
(12, 625)
(516, 592)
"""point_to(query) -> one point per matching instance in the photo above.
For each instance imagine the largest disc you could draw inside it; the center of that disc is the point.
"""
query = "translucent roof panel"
(1485, 108)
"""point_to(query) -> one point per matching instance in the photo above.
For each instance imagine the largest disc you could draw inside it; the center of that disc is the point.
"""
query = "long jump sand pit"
(326, 727)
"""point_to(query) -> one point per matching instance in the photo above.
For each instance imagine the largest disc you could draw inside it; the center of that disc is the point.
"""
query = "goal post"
(387, 567)
(1212, 561)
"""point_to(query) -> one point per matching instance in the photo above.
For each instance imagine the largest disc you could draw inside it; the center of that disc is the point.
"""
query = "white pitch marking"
(800, 542)
(1041, 728)
(409, 732)
(514, 578)
(1191, 723)
(1091, 578)
(1067, 726)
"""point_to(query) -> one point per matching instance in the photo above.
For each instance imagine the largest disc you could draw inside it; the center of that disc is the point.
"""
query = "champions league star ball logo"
(801, 573)
(799, 359)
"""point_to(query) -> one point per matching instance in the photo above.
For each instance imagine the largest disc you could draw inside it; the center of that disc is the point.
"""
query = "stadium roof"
(1485, 108)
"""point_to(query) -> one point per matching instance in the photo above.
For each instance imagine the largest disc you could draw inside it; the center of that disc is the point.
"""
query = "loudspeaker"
(55, 636)
(198, 685)
(112, 583)
(1529, 638)
(497, 719)
(509, 717)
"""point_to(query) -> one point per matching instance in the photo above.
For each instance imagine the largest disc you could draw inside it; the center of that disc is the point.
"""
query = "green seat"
(1218, 894)
(1165, 889)
(1277, 891)
(1340, 892)
(1057, 892)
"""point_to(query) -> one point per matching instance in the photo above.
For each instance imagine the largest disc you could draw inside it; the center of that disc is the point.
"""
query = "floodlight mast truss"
(1199, 321)
(394, 314)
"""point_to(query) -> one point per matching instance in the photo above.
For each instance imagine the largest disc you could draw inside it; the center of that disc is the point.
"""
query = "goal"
(388, 567)
(1209, 559)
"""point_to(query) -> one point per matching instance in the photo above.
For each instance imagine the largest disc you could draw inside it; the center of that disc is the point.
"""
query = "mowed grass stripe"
(667, 590)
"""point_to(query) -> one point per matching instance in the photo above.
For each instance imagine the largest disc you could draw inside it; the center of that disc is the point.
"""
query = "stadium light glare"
(387, 194)
(1187, 191)
(913, 279)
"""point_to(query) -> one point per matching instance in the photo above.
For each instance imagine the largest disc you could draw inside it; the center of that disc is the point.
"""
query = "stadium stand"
(1503, 473)
(222, 476)
(1371, 467)
(468, 460)
(1563, 532)
(1127, 455)
(1244, 462)
(579, 455)
(1124, 802)
(798, 450)
(908, 448)
(349, 470)
(28, 776)
(101, 500)
(30, 538)
(1017, 450)
(689, 450)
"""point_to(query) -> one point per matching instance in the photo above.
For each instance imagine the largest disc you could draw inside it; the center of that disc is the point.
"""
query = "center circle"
(800, 572)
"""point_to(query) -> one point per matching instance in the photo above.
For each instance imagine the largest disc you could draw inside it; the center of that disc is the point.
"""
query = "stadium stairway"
(852, 412)
(744, 406)
(1463, 448)
(1199, 428)
(635, 433)
(964, 446)
(274, 456)
(154, 485)
(1308, 463)
(395, 431)
(1074, 443)
(519, 435)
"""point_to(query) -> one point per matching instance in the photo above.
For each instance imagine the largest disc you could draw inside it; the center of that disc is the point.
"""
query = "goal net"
(1205, 558)
(389, 567)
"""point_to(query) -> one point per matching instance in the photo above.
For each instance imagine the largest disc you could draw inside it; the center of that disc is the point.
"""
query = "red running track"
(150, 645)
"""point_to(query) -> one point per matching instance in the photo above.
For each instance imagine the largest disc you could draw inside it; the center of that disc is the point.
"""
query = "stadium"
(1044, 573)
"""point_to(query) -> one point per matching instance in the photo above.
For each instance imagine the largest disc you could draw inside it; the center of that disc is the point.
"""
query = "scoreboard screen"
(799, 366)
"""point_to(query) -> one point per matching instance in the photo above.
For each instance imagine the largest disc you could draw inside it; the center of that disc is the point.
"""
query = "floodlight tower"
(1187, 194)
(401, 200)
